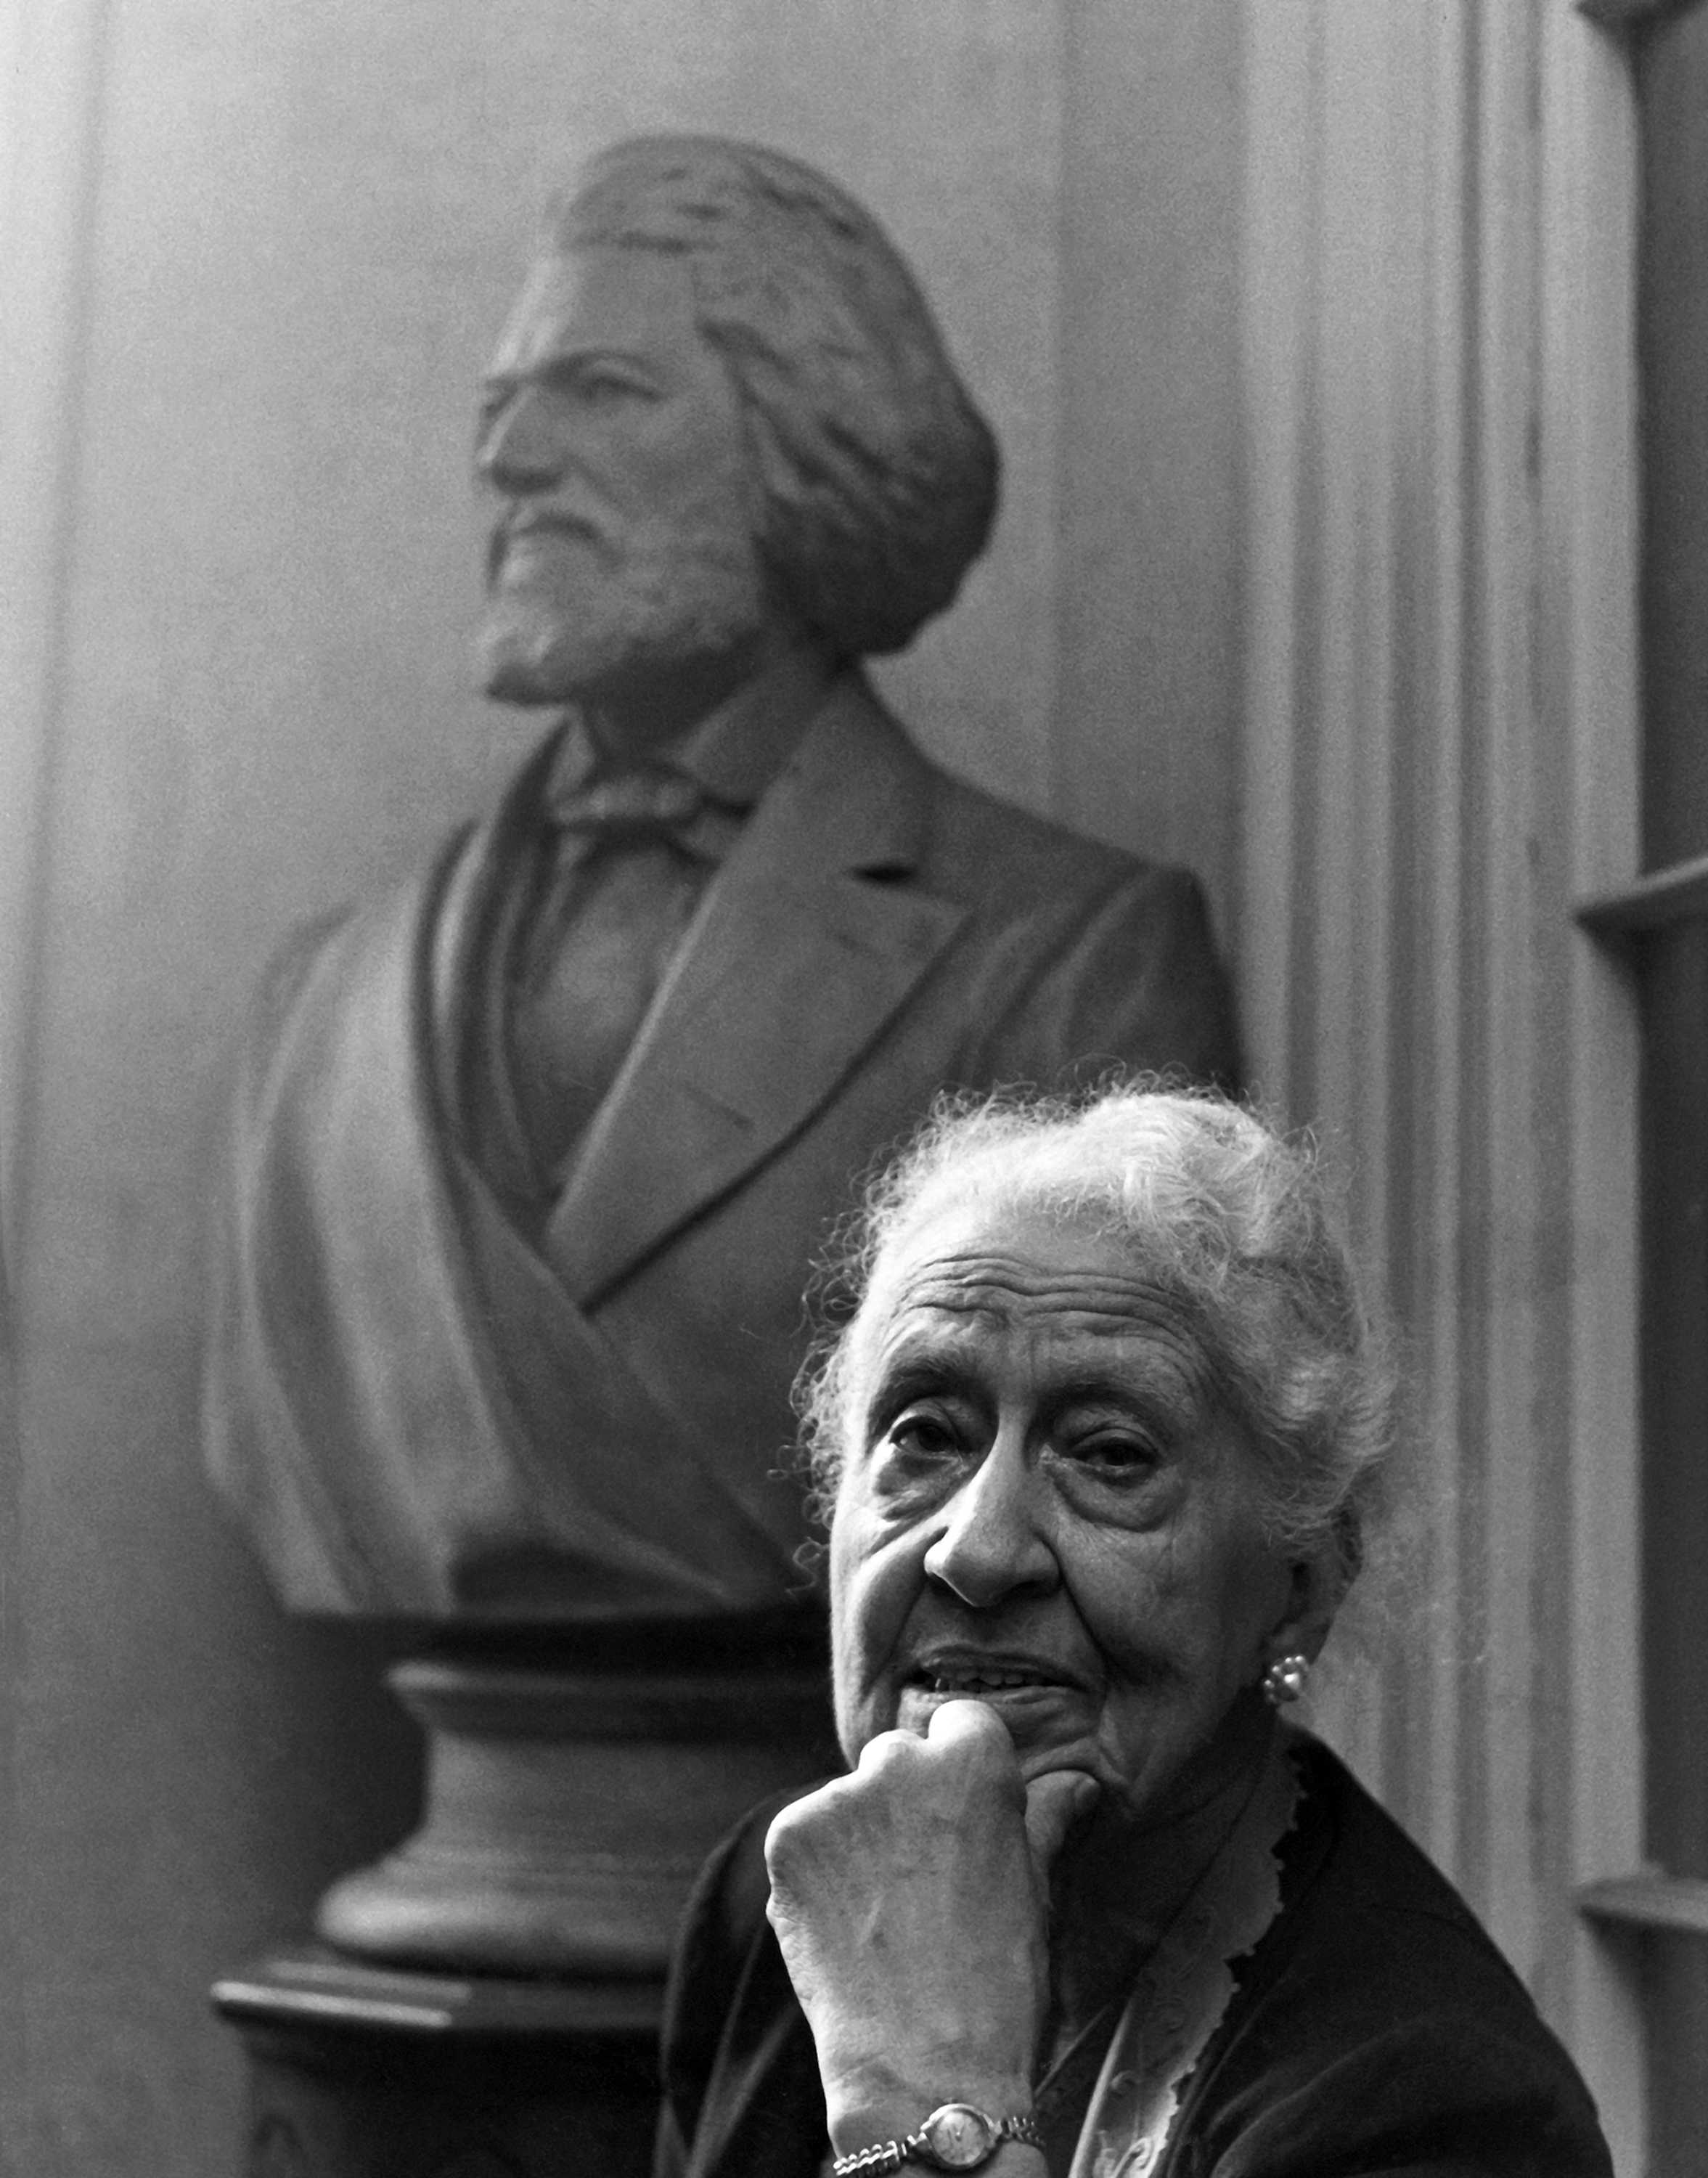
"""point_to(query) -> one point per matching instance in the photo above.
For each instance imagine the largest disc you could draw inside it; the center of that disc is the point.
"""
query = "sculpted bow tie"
(637, 807)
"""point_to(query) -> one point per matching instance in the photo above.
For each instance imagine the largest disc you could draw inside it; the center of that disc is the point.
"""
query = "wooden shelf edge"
(1673, 895)
(1627, 15)
(1677, 1902)
(312, 1989)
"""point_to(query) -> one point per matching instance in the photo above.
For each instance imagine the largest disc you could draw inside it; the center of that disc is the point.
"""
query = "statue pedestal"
(569, 1809)
(358, 2072)
(492, 2005)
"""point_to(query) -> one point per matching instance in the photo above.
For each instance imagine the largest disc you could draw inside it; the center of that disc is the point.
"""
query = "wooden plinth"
(360, 2072)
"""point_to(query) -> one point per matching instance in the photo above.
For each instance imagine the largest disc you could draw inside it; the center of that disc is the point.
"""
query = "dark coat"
(1374, 2029)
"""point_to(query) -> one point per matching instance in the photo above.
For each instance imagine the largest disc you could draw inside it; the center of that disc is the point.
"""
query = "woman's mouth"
(977, 1679)
(1037, 1701)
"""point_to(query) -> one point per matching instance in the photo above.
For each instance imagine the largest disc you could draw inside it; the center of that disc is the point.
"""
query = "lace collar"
(1181, 1994)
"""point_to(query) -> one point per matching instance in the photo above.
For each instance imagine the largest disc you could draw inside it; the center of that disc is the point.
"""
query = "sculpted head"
(721, 415)
(1100, 1438)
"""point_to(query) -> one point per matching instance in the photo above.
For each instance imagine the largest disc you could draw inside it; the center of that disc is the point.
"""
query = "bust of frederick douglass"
(531, 1152)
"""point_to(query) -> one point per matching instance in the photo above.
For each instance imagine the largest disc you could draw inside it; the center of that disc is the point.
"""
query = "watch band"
(956, 2137)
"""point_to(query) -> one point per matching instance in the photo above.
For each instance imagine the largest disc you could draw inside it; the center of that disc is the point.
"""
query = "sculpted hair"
(1226, 1217)
(877, 475)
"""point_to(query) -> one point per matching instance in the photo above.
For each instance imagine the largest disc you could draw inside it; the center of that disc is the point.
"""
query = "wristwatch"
(956, 2137)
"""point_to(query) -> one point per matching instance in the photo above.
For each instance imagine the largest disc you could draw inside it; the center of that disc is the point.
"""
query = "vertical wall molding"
(52, 55)
(1588, 691)
(1438, 756)
(54, 63)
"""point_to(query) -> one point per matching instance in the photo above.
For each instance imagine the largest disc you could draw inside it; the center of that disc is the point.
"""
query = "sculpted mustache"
(504, 534)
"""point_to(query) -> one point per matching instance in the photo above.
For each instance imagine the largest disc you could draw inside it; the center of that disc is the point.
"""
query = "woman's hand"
(910, 1900)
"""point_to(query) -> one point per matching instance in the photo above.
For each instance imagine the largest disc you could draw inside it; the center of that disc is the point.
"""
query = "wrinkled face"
(1044, 1508)
(612, 432)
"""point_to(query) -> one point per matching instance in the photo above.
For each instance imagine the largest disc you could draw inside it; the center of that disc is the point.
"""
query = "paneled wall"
(1439, 759)
(253, 257)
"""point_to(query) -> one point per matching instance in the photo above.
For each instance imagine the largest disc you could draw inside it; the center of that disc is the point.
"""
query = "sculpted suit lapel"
(464, 994)
(791, 969)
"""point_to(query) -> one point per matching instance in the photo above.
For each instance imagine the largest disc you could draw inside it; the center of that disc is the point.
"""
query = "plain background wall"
(255, 257)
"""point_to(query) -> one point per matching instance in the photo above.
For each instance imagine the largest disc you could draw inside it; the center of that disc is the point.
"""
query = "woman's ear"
(1317, 1586)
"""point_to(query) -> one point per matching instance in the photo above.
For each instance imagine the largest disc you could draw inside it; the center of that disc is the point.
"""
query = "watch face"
(958, 2137)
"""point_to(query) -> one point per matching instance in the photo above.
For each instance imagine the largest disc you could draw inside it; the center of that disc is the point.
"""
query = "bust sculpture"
(531, 1152)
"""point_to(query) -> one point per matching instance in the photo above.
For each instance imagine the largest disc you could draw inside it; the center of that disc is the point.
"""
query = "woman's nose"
(992, 1546)
(522, 449)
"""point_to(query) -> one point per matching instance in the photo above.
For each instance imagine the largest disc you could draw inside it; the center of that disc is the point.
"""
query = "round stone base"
(568, 1811)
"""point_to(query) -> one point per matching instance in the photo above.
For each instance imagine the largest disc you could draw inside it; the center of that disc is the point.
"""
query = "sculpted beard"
(569, 613)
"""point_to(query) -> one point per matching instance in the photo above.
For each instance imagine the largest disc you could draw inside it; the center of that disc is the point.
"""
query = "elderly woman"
(1099, 1444)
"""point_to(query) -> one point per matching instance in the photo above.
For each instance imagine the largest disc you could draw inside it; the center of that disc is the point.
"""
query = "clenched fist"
(910, 1899)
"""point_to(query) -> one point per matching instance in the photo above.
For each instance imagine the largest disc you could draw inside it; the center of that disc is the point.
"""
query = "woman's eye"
(919, 1435)
(1117, 1455)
